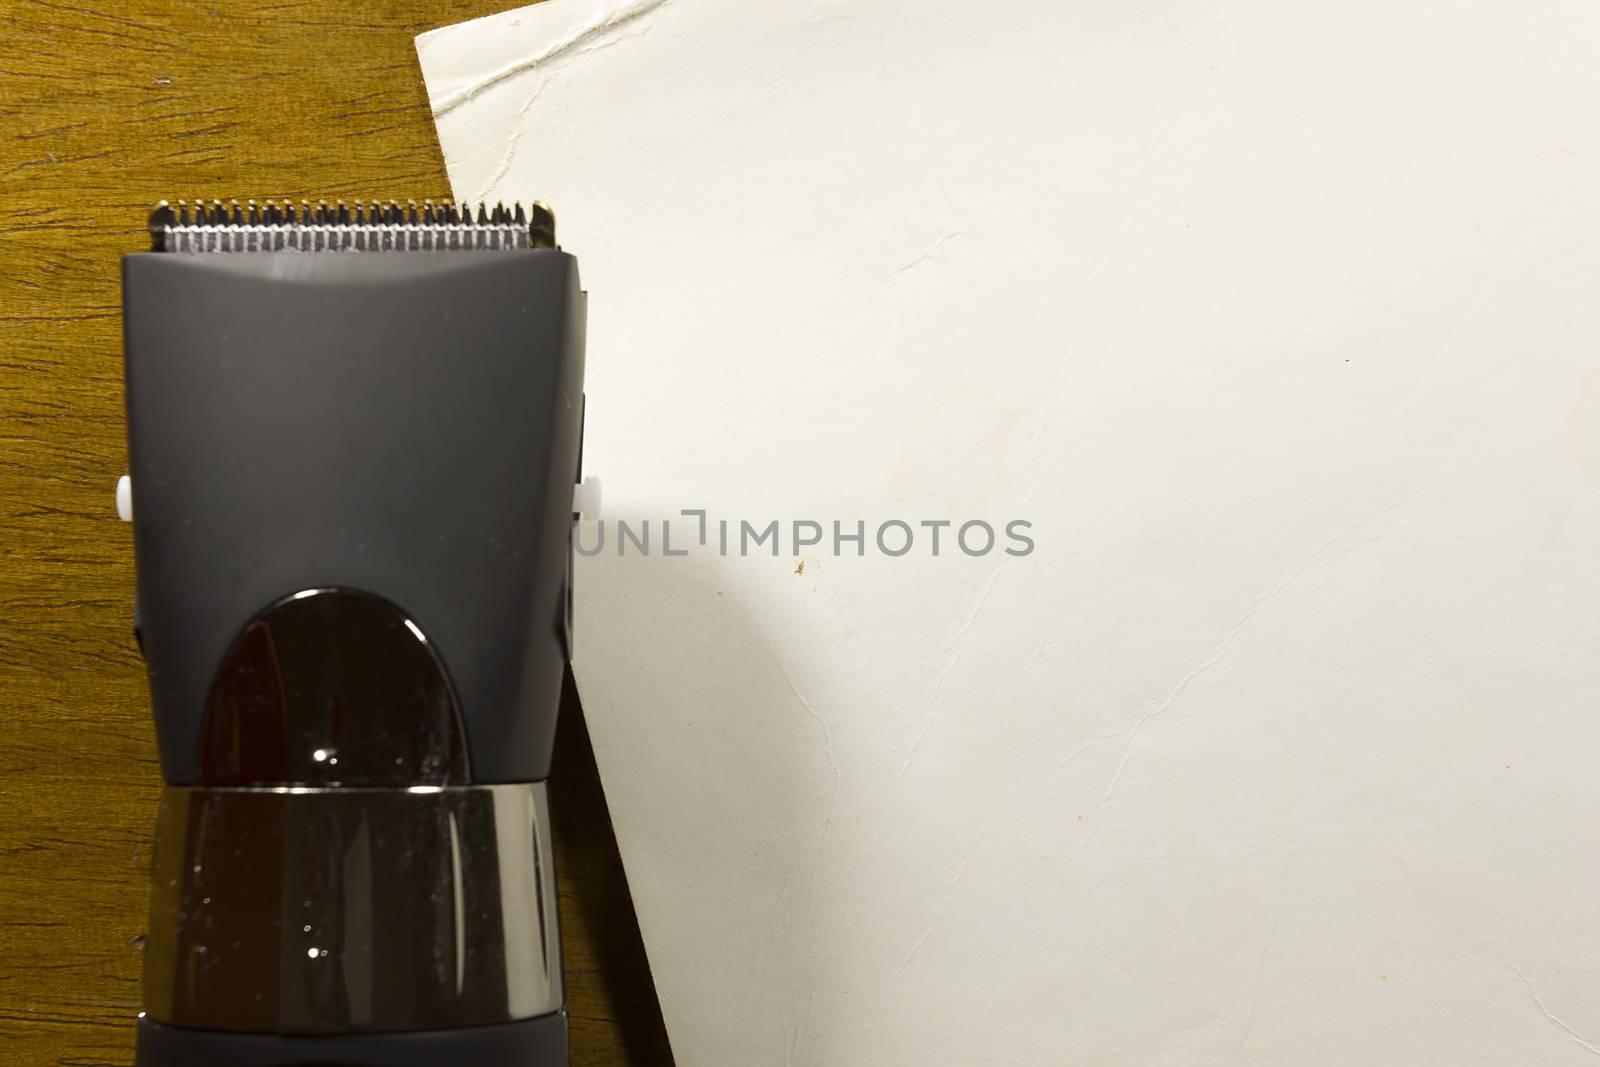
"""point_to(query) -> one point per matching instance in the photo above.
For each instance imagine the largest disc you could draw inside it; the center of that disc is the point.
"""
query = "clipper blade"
(375, 226)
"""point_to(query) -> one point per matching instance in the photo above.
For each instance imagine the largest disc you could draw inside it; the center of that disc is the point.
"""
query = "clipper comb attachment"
(376, 226)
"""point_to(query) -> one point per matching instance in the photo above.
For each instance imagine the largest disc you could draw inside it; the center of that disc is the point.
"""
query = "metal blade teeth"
(362, 226)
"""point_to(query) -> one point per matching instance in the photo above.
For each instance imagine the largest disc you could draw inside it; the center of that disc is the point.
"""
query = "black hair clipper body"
(353, 441)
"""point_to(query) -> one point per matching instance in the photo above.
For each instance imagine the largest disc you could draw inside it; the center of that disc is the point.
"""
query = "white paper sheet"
(1278, 322)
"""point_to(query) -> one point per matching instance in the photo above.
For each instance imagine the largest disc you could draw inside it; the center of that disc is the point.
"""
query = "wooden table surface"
(108, 108)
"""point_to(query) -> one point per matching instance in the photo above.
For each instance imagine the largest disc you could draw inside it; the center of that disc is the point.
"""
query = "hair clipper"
(353, 437)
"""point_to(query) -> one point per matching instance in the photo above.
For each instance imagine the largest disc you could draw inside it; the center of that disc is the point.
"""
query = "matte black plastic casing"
(529, 1043)
(406, 424)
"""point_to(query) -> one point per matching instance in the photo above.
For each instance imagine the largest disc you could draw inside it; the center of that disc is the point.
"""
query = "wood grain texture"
(107, 109)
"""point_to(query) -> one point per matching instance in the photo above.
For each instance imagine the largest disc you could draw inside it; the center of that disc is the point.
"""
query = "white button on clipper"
(125, 498)
(586, 499)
